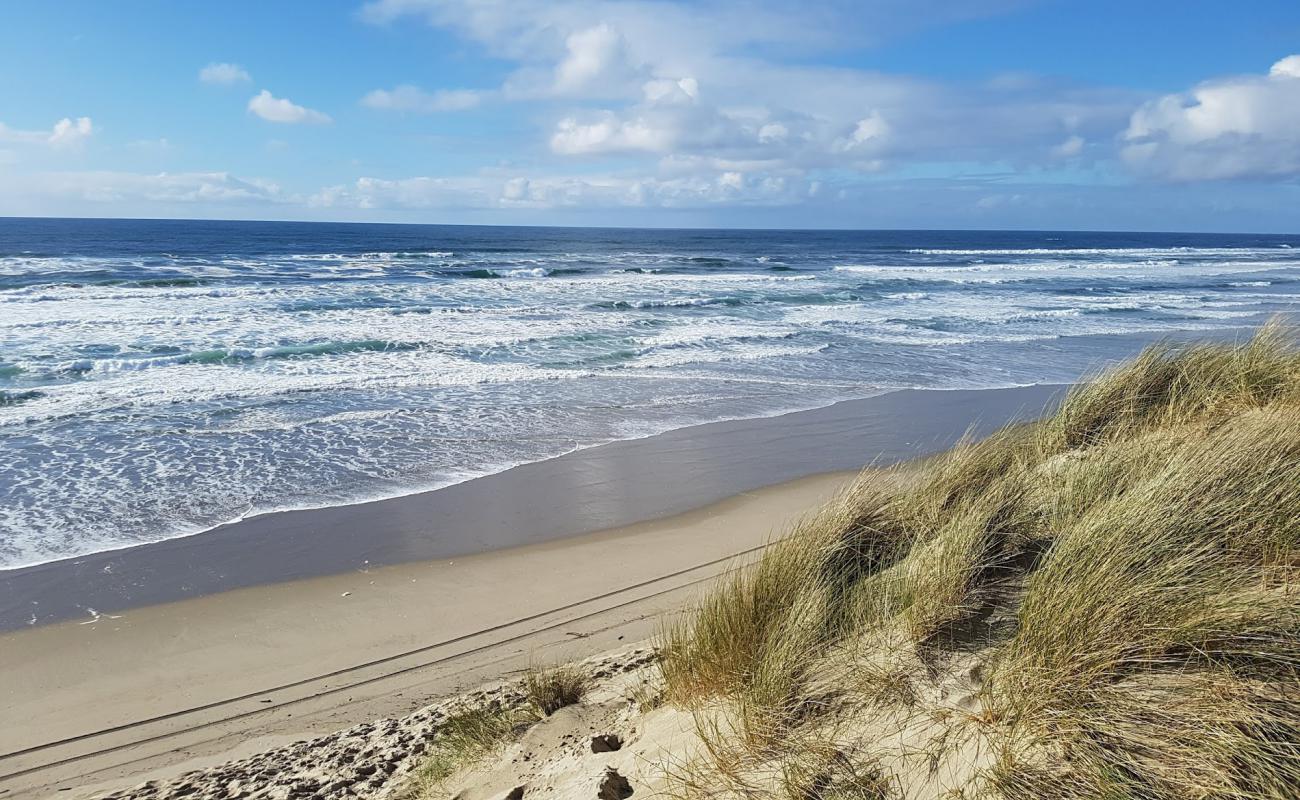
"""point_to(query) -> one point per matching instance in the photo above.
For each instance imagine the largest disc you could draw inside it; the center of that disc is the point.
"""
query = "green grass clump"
(465, 737)
(1120, 578)
(472, 733)
(551, 688)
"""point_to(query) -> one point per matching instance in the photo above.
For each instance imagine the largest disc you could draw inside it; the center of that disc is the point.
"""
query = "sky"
(1009, 114)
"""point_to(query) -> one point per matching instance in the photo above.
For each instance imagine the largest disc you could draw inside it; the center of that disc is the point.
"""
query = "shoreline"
(591, 489)
(194, 683)
(492, 471)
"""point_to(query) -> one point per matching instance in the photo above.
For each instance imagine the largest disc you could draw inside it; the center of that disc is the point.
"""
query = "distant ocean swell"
(156, 381)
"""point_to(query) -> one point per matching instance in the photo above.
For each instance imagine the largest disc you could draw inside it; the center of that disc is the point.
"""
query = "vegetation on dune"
(551, 688)
(467, 736)
(475, 732)
(1100, 604)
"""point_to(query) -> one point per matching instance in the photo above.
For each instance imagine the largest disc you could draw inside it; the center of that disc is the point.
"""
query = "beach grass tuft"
(475, 731)
(464, 738)
(1104, 603)
(551, 688)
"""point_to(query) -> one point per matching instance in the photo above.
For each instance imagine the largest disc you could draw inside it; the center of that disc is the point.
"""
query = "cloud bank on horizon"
(659, 112)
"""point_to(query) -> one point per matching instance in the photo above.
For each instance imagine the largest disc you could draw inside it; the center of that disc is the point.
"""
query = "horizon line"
(7, 217)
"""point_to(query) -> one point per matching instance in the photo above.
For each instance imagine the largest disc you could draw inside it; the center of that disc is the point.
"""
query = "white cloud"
(610, 134)
(223, 74)
(1069, 148)
(278, 109)
(67, 134)
(668, 119)
(1239, 127)
(1288, 67)
(870, 134)
(871, 128)
(596, 61)
(413, 98)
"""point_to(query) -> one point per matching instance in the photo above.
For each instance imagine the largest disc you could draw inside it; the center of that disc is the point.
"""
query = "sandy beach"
(435, 627)
(162, 682)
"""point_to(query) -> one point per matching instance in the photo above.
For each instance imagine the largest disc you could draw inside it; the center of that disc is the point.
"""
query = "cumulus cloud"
(282, 110)
(1288, 67)
(597, 61)
(870, 134)
(608, 133)
(69, 133)
(224, 74)
(413, 98)
(1239, 127)
(66, 134)
(667, 115)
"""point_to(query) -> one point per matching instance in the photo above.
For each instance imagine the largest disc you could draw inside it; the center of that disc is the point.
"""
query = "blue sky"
(866, 114)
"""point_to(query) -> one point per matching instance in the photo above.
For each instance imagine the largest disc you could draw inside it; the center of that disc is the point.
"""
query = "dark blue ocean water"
(161, 377)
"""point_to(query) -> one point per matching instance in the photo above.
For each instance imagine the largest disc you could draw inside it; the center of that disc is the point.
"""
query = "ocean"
(159, 378)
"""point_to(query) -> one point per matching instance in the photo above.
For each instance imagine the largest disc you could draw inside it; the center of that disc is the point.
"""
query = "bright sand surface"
(269, 652)
(71, 678)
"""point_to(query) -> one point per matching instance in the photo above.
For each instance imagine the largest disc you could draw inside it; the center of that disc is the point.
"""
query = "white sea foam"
(1093, 251)
(372, 374)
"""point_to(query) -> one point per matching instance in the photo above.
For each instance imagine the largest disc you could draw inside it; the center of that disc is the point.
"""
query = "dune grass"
(473, 732)
(551, 688)
(1103, 603)
(467, 736)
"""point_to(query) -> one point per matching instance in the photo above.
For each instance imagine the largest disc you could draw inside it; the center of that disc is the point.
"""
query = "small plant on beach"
(551, 688)
(465, 737)
(1101, 604)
